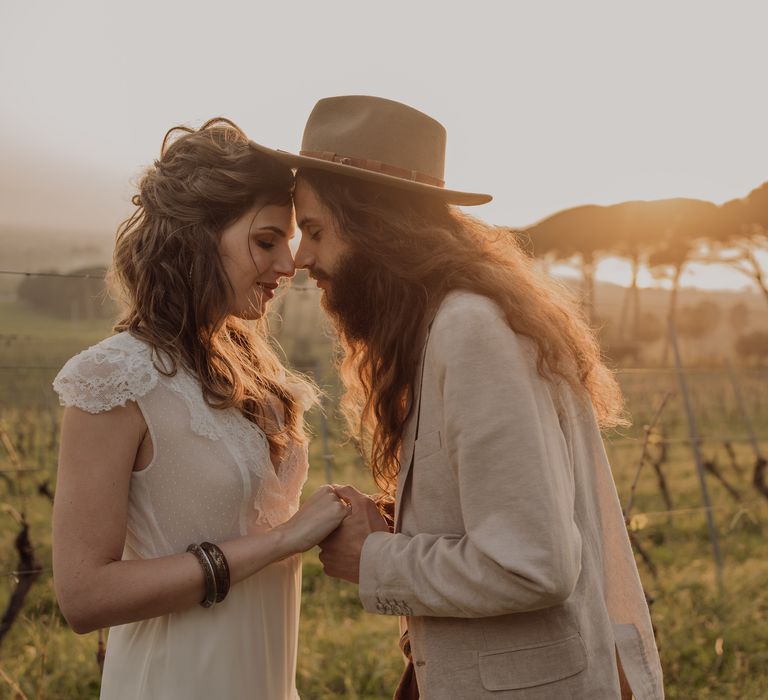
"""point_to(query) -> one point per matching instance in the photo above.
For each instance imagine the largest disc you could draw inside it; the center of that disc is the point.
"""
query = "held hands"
(341, 550)
(317, 517)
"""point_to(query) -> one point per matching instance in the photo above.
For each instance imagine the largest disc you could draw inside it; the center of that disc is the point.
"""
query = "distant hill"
(36, 250)
(609, 299)
(708, 349)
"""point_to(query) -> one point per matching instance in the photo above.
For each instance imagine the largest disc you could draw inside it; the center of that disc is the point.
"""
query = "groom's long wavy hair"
(168, 273)
(417, 249)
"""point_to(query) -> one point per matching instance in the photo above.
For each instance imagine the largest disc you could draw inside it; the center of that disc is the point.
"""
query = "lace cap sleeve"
(116, 370)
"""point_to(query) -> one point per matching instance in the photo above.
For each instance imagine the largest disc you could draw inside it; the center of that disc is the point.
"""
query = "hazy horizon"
(547, 105)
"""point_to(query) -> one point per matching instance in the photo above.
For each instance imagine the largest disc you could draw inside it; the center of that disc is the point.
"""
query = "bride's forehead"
(280, 215)
(274, 218)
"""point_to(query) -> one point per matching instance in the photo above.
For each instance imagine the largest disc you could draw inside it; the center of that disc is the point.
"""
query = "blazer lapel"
(409, 431)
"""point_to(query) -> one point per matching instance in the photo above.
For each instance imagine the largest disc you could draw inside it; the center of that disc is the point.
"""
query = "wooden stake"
(648, 429)
(758, 477)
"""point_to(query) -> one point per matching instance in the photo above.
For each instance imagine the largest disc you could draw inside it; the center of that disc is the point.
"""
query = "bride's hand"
(317, 518)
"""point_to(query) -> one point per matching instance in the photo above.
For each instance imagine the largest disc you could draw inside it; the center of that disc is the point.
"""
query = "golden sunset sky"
(547, 104)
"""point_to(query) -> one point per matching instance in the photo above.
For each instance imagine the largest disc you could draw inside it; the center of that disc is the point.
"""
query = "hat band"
(376, 166)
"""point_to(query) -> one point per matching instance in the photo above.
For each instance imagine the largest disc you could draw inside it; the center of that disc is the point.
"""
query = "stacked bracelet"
(209, 574)
(220, 568)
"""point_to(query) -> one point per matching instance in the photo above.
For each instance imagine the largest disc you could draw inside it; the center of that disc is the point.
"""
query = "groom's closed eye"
(309, 226)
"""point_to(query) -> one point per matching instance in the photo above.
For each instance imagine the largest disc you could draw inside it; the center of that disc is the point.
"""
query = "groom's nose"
(304, 259)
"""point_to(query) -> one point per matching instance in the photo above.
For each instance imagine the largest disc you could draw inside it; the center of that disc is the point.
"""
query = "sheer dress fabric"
(211, 478)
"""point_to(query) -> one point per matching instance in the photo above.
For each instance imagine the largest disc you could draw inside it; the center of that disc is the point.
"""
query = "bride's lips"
(268, 289)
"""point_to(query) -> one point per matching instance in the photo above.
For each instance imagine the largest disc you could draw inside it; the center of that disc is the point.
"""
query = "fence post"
(743, 410)
(758, 477)
(327, 456)
(696, 448)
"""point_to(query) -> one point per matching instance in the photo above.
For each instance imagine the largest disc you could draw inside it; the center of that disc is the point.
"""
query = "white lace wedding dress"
(211, 478)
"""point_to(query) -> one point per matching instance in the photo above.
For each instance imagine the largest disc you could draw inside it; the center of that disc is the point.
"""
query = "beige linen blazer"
(510, 557)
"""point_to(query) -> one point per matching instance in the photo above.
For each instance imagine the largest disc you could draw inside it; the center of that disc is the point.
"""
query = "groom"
(479, 392)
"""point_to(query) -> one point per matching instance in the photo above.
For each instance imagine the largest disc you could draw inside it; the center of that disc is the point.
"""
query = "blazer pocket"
(510, 669)
(427, 445)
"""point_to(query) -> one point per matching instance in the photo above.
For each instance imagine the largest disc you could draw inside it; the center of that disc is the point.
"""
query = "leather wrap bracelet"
(209, 574)
(220, 568)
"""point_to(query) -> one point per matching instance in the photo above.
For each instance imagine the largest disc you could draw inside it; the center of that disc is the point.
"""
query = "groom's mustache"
(319, 275)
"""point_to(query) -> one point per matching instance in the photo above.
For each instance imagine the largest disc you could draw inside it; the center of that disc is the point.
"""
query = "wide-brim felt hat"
(378, 140)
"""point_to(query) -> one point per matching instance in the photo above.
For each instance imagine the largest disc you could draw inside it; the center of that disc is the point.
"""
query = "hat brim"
(466, 199)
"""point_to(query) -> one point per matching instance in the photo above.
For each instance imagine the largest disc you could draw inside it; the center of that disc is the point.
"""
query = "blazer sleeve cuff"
(374, 591)
(369, 560)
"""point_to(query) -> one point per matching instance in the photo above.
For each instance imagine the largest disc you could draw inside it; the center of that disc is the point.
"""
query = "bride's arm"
(94, 587)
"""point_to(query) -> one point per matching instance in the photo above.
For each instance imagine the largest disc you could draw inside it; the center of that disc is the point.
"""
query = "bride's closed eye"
(265, 243)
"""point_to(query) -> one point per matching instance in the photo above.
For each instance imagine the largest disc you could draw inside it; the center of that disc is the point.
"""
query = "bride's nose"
(284, 263)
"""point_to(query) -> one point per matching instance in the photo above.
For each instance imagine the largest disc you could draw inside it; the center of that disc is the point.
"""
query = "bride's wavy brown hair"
(419, 249)
(168, 273)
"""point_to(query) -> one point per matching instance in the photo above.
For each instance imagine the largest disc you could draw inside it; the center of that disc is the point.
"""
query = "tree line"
(666, 236)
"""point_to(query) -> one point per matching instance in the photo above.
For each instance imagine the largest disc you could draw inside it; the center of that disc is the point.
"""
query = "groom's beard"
(350, 299)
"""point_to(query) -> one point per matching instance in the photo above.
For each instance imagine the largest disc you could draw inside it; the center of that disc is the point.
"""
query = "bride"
(176, 521)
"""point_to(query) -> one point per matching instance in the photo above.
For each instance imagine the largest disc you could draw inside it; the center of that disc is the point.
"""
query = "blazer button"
(420, 663)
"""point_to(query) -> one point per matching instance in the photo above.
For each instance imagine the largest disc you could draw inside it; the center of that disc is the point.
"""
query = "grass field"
(712, 645)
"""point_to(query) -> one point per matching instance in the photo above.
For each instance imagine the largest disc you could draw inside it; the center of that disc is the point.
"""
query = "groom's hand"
(340, 551)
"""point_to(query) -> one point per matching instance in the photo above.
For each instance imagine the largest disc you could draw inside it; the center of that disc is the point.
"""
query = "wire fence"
(102, 276)
(70, 275)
